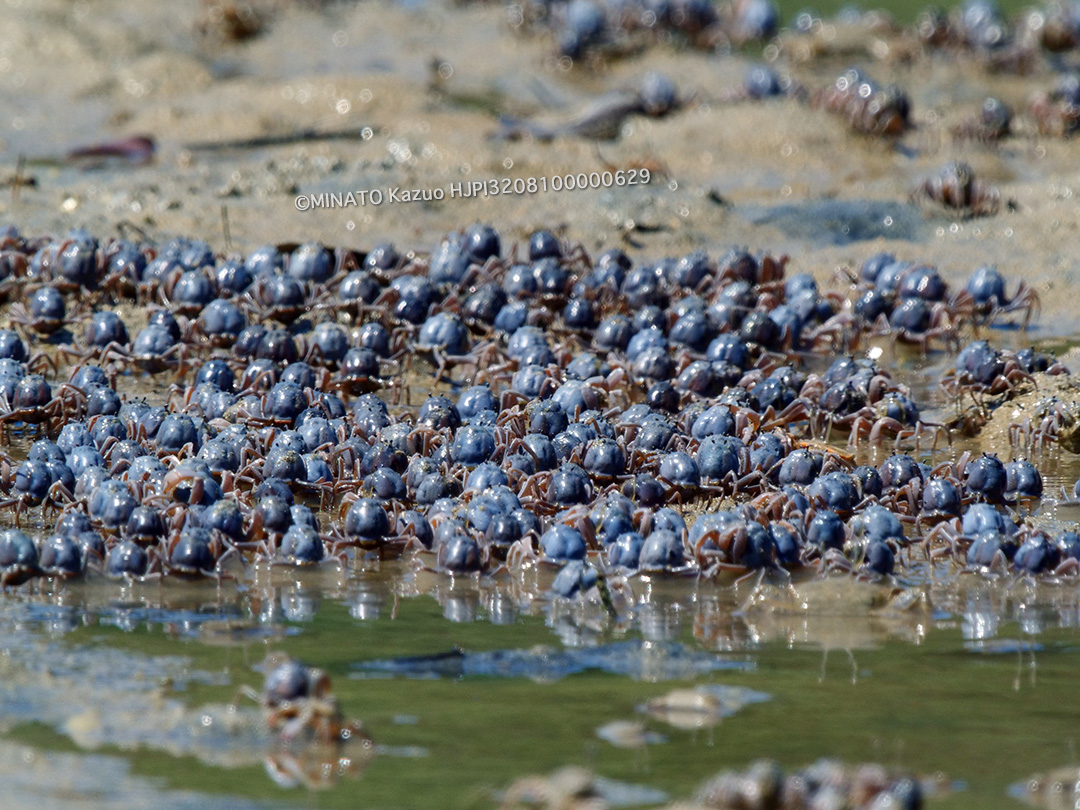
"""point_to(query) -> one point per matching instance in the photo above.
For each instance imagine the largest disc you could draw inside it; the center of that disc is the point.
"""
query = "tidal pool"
(971, 684)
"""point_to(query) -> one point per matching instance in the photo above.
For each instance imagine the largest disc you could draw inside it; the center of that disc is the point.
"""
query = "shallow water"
(141, 684)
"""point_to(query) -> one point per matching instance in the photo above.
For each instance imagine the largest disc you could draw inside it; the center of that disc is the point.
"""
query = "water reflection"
(461, 607)
(367, 605)
(658, 622)
(299, 604)
(830, 613)
(703, 706)
(981, 617)
(316, 767)
(984, 606)
(1057, 790)
(692, 636)
(501, 608)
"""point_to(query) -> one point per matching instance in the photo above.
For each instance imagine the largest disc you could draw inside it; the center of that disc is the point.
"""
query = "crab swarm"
(593, 415)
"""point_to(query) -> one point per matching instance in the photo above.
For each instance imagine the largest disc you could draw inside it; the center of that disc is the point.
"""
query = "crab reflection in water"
(836, 613)
(703, 706)
(313, 743)
(1056, 790)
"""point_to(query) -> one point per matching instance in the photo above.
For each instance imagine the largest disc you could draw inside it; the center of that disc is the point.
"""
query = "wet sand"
(80, 78)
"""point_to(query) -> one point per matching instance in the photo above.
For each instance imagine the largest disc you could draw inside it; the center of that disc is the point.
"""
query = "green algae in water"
(838, 691)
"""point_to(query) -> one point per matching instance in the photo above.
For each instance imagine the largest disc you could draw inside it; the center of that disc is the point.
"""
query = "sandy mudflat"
(73, 74)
